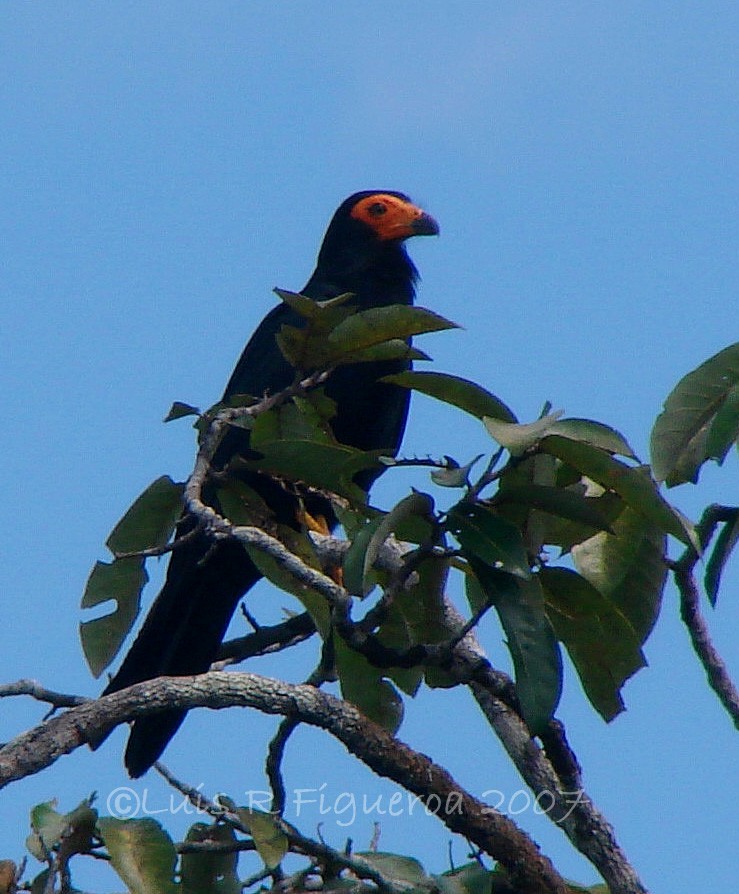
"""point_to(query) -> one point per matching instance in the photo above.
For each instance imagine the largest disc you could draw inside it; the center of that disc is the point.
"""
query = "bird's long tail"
(182, 633)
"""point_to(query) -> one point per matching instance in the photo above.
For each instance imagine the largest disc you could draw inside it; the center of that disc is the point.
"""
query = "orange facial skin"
(391, 217)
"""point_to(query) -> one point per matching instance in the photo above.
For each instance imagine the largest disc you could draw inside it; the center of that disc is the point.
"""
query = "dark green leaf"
(141, 853)
(211, 872)
(150, 520)
(601, 642)
(689, 408)
(556, 501)
(307, 307)
(724, 429)
(121, 580)
(178, 410)
(394, 349)
(634, 485)
(565, 533)
(270, 840)
(725, 543)
(537, 661)
(363, 685)
(484, 535)
(324, 466)
(518, 437)
(595, 433)
(628, 568)
(474, 878)
(458, 392)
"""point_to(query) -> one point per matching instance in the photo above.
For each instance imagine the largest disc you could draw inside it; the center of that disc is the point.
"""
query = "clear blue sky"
(164, 165)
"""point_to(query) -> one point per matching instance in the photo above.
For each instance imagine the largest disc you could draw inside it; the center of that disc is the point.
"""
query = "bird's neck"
(381, 277)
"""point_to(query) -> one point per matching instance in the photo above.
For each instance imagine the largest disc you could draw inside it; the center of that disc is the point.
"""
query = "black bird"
(362, 253)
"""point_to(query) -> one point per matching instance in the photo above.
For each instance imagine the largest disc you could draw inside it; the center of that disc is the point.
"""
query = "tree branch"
(494, 833)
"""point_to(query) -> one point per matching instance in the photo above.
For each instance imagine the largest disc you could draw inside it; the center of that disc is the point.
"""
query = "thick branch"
(492, 832)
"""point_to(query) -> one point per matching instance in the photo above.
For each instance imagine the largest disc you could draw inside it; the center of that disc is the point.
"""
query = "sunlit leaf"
(628, 568)
(379, 324)
(595, 433)
(270, 840)
(458, 392)
(454, 475)
(142, 854)
(689, 408)
(634, 485)
(518, 437)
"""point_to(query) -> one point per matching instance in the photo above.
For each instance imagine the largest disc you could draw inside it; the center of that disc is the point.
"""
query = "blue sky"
(163, 166)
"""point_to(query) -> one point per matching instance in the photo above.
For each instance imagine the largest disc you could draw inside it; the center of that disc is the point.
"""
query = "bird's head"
(374, 222)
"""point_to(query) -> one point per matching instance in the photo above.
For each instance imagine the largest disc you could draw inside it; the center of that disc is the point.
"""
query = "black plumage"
(362, 253)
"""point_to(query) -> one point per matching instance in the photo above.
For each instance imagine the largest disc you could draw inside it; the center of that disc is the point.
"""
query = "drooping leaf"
(692, 404)
(47, 828)
(537, 660)
(518, 437)
(213, 872)
(396, 867)
(634, 485)
(415, 505)
(142, 854)
(458, 392)
(179, 409)
(271, 842)
(122, 580)
(628, 568)
(485, 536)
(565, 533)
(595, 433)
(150, 520)
(601, 642)
(355, 580)
(454, 475)
(364, 686)
(725, 543)
(724, 430)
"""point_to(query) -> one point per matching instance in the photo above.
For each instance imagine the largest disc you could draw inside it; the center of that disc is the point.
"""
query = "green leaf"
(179, 409)
(394, 349)
(380, 324)
(48, 826)
(454, 475)
(355, 580)
(141, 853)
(633, 485)
(150, 520)
(556, 501)
(724, 429)
(458, 392)
(415, 505)
(517, 438)
(595, 433)
(485, 536)
(473, 878)
(271, 842)
(363, 685)
(298, 420)
(308, 307)
(537, 660)
(725, 543)
(692, 404)
(628, 568)
(328, 467)
(211, 872)
(121, 580)
(565, 533)
(601, 642)
(396, 867)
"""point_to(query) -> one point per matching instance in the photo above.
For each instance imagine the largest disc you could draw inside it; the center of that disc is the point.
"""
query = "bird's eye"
(377, 209)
